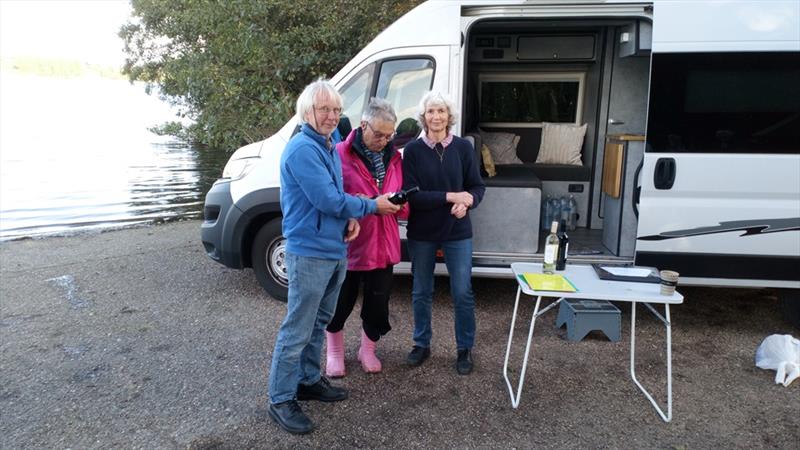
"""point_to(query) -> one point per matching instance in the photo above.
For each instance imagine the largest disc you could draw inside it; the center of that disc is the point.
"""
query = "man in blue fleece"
(319, 219)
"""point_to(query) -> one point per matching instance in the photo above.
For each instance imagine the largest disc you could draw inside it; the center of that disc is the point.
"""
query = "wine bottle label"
(550, 254)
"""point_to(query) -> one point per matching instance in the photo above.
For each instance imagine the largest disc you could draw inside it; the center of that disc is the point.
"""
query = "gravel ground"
(135, 339)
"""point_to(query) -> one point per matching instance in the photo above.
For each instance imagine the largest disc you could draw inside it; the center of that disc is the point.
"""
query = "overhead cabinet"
(550, 48)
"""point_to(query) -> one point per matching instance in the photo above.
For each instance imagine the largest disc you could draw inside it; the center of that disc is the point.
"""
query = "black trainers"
(322, 390)
(290, 417)
(418, 355)
(464, 361)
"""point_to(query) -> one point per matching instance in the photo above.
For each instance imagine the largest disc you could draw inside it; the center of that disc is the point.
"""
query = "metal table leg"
(668, 416)
(536, 314)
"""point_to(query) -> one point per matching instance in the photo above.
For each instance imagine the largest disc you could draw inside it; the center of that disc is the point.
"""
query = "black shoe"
(464, 361)
(290, 417)
(418, 355)
(322, 390)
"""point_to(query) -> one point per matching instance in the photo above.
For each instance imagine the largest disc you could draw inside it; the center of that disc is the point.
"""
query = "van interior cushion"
(488, 162)
(514, 176)
(561, 144)
(503, 146)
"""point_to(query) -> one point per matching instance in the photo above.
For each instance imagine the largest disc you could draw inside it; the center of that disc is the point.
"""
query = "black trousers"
(375, 307)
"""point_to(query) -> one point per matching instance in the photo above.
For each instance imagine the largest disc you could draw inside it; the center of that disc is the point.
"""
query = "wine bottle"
(400, 198)
(563, 247)
(551, 249)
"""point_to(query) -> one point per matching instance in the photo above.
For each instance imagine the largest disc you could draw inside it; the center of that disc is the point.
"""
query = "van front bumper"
(216, 236)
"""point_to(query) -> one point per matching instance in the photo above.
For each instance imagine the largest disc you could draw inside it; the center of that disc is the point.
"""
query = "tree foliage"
(236, 67)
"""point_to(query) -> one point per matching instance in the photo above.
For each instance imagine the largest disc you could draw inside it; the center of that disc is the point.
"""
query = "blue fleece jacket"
(314, 205)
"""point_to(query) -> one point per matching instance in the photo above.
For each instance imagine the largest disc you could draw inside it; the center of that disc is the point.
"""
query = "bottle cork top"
(554, 227)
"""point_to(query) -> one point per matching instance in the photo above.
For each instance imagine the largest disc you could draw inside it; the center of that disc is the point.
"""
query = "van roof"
(741, 25)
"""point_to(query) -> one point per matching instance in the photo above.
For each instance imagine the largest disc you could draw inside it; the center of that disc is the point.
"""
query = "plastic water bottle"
(572, 223)
(546, 214)
(555, 210)
(565, 211)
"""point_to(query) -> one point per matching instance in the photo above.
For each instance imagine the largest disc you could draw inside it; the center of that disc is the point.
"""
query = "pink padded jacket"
(378, 244)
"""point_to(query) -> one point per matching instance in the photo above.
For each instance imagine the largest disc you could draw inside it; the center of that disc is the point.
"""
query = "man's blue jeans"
(313, 289)
(458, 258)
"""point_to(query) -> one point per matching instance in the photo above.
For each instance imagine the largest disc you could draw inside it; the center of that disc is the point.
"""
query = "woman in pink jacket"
(370, 167)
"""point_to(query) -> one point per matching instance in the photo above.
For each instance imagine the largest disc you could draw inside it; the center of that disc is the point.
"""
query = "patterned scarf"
(378, 167)
(377, 162)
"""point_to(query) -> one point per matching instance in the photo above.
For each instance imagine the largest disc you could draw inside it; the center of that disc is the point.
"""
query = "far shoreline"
(84, 232)
(59, 68)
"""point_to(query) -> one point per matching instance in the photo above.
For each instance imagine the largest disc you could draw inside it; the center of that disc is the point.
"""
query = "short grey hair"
(436, 98)
(305, 102)
(380, 109)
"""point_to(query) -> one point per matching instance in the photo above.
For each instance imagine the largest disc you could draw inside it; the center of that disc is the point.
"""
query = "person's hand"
(353, 228)
(460, 197)
(385, 206)
(459, 210)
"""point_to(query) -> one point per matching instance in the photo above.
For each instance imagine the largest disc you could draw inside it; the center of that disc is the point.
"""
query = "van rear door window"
(725, 103)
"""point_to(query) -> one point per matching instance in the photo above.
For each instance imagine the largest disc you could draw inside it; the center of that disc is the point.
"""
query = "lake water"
(75, 155)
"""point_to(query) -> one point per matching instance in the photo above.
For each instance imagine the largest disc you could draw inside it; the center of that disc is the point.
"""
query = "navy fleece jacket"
(430, 218)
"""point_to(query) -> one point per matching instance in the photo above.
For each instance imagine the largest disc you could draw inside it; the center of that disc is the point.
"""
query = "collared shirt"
(445, 142)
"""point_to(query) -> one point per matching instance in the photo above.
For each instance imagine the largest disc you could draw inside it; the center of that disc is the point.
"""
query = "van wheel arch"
(268, 253)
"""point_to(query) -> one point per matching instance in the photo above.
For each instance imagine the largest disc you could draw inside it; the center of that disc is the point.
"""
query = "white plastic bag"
(780, 352)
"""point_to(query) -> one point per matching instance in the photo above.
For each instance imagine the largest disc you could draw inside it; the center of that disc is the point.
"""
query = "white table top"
(590, 286)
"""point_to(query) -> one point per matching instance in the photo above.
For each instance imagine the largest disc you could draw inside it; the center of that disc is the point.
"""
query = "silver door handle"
(615, 122)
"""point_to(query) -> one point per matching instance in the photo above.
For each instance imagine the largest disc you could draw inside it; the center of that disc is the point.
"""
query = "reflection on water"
(76, 155)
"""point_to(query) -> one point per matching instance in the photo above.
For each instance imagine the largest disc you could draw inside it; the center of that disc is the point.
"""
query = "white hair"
(380, 109)
(320, 87)
(436, 98)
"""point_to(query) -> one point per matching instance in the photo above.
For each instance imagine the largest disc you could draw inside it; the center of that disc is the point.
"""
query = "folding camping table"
(590, 286)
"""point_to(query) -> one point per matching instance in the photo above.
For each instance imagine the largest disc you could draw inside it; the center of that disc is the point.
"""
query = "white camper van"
(673, 125)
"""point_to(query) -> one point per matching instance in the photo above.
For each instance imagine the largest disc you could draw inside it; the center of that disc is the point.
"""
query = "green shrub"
(236, 67)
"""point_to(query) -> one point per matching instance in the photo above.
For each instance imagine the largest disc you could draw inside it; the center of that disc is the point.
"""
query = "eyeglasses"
(325, 110)
(378, 135)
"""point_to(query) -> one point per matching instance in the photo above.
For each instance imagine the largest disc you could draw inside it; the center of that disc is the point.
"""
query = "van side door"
(720, 183)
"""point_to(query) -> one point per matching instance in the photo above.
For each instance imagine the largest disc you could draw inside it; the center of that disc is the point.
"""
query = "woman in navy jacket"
(446, 171)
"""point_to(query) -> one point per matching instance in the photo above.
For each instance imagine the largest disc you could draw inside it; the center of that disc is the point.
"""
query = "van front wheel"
(269, 260)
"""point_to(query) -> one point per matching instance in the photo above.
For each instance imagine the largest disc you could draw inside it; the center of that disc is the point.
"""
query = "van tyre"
(790, 298)
(269, 260)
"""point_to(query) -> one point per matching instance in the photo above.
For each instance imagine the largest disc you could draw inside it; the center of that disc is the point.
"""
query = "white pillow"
(502, 146)
(561, 144)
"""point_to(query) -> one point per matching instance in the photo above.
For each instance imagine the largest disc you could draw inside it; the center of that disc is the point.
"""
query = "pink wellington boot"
(366, 354)
(334, 367)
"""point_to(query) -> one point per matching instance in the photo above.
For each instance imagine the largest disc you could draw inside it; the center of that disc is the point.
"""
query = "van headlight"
(239, 168)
